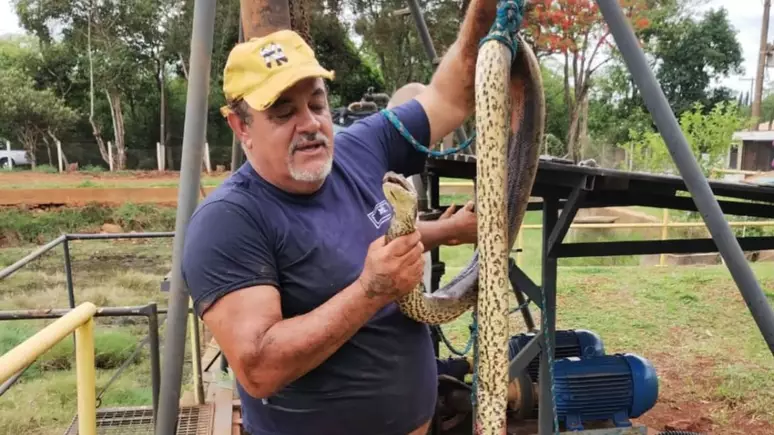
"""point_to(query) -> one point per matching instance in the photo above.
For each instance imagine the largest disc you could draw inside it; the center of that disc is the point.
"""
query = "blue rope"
(504, 29)
(506, 25)
(451, 347)
(550, 353)
(418, 146)
(474, 381)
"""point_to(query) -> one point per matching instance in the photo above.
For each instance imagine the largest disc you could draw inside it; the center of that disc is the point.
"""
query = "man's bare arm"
(450, 228)
(435, 233)
(450, 97)
(267, 352)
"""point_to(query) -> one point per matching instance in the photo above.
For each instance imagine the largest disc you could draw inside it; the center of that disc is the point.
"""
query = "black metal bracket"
(569, 211)
(650, 247)
(523, 283)
(525, 356)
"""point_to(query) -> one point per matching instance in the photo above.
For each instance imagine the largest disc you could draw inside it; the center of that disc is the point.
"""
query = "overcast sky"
(745, 16)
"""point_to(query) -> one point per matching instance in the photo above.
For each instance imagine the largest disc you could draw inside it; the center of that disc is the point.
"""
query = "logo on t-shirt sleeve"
(381, 213)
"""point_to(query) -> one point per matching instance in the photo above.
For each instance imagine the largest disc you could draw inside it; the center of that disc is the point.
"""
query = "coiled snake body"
(507, 152)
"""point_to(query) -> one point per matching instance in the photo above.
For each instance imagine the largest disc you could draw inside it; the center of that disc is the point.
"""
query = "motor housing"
(608, 387)
(569, 343)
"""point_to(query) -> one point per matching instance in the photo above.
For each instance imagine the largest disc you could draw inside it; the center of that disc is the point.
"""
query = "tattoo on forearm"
(380, 286)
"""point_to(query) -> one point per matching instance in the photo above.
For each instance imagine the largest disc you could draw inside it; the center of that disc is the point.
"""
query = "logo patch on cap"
(273, 53)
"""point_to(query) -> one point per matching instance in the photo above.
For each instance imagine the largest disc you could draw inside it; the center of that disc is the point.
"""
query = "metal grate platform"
(192, 420)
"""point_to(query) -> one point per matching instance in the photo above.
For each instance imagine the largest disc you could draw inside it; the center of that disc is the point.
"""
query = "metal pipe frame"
(427, 43)
(81, 321)
(64, 239)
(32, 256)
(68, 273)
(150, 311)
(194, 136)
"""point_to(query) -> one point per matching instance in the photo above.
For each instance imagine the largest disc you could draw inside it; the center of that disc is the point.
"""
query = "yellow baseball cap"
(260, 69)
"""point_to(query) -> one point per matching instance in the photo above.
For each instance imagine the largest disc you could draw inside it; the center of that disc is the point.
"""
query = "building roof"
(766, 135)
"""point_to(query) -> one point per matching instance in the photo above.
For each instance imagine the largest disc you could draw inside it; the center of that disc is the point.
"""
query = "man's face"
(291, 143)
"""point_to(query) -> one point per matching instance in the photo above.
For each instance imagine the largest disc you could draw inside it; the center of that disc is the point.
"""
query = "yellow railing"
(80, 320)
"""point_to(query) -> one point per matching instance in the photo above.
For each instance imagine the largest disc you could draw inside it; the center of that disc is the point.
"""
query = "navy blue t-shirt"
(383, 381)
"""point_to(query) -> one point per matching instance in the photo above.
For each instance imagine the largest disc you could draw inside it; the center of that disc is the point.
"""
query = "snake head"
(401, 194)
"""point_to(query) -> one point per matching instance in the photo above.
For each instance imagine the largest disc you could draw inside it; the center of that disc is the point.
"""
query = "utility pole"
(742, 99)
(764, 51)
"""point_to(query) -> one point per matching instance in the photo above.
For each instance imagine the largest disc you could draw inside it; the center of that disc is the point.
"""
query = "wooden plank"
(187, 399)
(223, 411)
(236, 421)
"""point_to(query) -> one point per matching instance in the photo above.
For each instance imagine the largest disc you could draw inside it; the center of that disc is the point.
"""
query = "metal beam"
(650, 247)
(194, 136)
(35, 254)
(695, 181)
(236, 146)
(427, 43)
(737, 208)
(521, 282)
(569, 211)
(525, 356)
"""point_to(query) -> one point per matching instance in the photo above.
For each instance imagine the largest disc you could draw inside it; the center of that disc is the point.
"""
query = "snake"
(510, 120)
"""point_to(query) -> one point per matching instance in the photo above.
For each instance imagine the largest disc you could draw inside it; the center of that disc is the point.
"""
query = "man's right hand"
(394, 269)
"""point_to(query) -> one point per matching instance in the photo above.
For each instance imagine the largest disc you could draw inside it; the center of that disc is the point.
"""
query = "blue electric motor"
(608, 387)
(569, 343)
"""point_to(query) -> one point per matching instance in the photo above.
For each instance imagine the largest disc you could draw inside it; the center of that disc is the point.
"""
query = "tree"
(394, 42)
(30, 115)
(116, 51)
(576, 30)
(708, 134)
(335, 51)
(691, 54)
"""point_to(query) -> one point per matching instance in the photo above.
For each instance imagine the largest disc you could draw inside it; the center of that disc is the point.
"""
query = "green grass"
(107, 273)
(689, 321)
(19, 226)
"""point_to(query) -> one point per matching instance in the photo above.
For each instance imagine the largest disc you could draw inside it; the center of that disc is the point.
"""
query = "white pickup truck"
(13, 157)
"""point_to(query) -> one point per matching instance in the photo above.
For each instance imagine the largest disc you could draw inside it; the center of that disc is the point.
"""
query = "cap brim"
(263, 97)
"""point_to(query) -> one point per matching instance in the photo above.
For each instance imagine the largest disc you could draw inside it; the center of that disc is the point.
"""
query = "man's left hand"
(463, 224)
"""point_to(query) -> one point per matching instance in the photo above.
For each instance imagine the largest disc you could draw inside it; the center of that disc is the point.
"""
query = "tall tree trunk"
(161, 79)
(583, 137)
(95, 130)
(48, 152)
(118, 129)
(573, 150)
(56, 139)
(573, 143)
(182, 62)
(28, 137)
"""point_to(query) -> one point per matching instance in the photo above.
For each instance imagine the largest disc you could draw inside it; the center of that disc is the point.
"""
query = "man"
(286, 260)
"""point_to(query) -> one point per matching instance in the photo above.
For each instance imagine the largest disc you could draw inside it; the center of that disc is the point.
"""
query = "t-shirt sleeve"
(225, 250)
(377, 134)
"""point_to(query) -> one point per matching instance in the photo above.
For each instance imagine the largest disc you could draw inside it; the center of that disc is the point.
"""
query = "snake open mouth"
(393, 178)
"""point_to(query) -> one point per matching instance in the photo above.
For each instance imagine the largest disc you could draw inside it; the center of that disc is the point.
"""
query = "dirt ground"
(22, 177)
(680, 406)
(27, 188)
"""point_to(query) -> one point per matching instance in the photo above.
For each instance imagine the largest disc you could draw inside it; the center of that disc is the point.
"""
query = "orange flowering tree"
(575, 32)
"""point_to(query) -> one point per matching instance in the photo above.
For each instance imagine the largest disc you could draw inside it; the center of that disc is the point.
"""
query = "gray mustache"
(306, 138)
